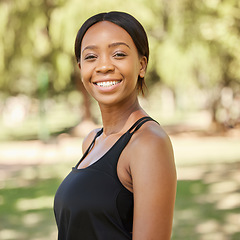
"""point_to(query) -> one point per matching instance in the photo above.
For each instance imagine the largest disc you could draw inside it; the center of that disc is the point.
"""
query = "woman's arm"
(154, 186)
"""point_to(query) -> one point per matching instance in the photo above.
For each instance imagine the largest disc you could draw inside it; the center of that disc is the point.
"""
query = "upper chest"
(112, 151)
(100, 147)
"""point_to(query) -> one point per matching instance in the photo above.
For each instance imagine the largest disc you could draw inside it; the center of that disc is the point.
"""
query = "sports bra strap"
(91, 145)
(139, 123)
(134, 127)
(131, 131)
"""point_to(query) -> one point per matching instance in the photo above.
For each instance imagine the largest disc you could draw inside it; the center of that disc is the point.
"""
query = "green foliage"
(194, 44)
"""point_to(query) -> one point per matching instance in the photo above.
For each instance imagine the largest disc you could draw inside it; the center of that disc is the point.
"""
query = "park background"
(193, 91)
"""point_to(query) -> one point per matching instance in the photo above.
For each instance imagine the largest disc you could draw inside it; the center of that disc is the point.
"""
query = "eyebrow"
(118, 44)
(110, 46)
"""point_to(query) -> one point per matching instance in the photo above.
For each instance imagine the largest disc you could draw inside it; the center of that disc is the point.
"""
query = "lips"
(107, 83)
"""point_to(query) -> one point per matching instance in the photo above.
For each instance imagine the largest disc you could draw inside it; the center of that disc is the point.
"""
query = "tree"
(194, 47)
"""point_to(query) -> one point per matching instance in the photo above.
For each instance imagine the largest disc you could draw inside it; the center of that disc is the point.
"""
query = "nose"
(104, 65)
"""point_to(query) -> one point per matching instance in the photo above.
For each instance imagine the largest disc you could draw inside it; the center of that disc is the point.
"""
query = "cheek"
(86, 79)
(130, 68)
(132, 71)
(85, 73)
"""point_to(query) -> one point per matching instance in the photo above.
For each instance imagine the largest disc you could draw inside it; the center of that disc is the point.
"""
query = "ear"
(143, 66)
(79, 65)
(80, 69)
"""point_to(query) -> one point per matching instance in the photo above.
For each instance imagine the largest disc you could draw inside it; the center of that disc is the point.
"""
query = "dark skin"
(110, 66)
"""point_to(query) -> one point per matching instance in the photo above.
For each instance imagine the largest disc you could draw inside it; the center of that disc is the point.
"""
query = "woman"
(124, 186)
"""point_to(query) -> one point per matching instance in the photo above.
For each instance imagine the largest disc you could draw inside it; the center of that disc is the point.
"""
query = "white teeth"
(107, 84)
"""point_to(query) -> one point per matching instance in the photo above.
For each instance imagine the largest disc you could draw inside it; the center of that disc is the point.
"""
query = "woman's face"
(110, 63)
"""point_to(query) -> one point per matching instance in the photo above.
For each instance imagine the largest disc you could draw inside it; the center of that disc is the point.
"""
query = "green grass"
(207, 205)
(208, 208)
(26, 201)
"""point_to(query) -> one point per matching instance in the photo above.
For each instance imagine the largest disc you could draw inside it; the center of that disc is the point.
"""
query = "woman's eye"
(119, 55)
(89, 57)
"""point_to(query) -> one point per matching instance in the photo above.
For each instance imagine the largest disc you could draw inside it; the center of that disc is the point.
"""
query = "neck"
(114, 118)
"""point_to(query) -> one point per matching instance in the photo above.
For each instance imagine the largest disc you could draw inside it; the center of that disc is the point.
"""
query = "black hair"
(128, 23)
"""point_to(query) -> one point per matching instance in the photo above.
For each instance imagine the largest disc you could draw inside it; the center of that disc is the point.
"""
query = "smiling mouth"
(107, 83)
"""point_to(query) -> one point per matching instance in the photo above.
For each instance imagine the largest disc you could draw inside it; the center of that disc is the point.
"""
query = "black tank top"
(91, 203)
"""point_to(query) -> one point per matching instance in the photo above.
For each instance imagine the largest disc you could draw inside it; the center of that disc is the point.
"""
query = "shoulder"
(89, 138)
(151, 150)
(152, 139)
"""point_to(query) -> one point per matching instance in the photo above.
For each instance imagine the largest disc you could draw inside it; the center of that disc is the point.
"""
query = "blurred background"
(193, 91)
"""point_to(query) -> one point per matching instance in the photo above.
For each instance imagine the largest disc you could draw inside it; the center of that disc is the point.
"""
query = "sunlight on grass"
(190, 151)
(34, 204)
(230, 201)
(210, 226)
(32, 219)
(208, 205)
(232, 223)
(7, 234)
(224, 187)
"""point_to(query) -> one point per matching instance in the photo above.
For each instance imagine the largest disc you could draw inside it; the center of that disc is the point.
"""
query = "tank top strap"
(93, 141)
(139, 123)
(90, 146)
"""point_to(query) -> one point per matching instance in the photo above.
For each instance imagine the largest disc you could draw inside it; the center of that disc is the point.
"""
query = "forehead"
(106, 32)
